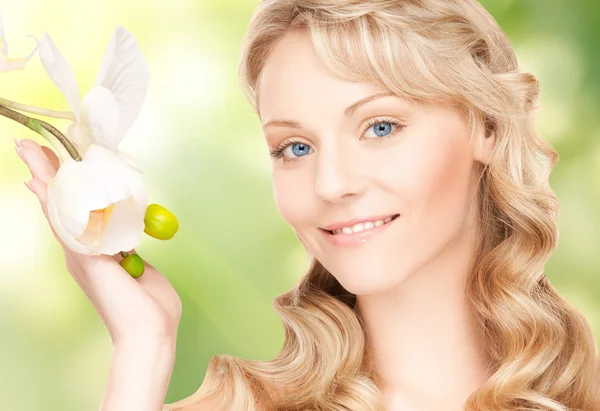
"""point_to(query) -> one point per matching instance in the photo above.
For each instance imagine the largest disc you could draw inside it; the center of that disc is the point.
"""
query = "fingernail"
(28, 185)
(18, 150)
(17, 142)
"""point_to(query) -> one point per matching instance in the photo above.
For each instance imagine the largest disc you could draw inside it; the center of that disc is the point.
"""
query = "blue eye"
(299, 149)
(382, 128)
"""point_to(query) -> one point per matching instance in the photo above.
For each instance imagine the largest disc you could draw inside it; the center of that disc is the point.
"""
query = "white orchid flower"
(109, 109)
(97, 205)
(8, 64)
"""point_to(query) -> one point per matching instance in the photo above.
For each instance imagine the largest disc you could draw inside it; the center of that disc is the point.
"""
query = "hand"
(131, 309)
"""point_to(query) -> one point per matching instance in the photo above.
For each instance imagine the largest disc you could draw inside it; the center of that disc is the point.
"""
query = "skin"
(409, 281)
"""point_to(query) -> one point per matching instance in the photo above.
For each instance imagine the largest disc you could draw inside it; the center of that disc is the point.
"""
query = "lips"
(356, 239)
(330, 229)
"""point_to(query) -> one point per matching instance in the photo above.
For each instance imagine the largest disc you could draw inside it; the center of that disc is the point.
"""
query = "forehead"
(295, 82)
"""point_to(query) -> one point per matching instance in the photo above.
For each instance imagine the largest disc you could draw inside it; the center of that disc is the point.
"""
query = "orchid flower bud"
(134, 265)
(160, 223)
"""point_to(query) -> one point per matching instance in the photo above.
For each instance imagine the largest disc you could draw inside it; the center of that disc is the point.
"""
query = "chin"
(358, 284)
(369, 276)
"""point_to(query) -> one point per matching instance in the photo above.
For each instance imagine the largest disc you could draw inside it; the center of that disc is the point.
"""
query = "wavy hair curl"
(542, 351)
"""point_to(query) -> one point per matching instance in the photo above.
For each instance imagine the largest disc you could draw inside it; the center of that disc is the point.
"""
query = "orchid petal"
(68, 218)
(125, 228)
(129, 159)
(100, 118)
(57, 220)
(79, 137)
(108, 178)
(65, 189)
(6, 63)
(125, 73)
(74, 136)
(60, 72)
(37, 46)
(100, 181)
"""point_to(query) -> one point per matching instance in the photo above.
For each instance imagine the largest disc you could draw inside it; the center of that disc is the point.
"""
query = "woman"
(406, 160)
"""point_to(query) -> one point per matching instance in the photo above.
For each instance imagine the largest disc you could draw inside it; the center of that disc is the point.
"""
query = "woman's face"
(382, 158)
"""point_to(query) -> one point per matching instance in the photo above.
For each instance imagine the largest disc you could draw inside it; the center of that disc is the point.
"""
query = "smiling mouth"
(361, 227)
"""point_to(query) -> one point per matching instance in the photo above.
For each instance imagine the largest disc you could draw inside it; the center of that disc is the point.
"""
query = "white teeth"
(362, 226)
(358, 227)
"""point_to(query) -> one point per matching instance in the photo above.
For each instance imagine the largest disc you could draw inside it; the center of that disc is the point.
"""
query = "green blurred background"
(203, 156)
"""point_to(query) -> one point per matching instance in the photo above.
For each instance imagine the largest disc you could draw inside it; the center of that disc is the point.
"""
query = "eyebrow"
(349, 111)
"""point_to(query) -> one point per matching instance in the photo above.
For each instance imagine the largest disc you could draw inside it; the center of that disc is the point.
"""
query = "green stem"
(67, 115)
(42, 128)
(124, 254)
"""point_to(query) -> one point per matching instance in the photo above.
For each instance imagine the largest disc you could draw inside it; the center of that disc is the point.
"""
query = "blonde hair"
(543, 355)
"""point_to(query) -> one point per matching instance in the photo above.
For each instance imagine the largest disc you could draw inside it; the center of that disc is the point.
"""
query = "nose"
(338, 175)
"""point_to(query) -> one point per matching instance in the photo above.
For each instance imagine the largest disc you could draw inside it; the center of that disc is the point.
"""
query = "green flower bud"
(134, 265)
(160, 223)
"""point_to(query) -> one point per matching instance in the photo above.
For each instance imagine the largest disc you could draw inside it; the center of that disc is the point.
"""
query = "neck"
(421, 335)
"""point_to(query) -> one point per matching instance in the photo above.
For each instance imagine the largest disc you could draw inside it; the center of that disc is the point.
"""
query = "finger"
(39, 189)
(38, 163)
(52, 157)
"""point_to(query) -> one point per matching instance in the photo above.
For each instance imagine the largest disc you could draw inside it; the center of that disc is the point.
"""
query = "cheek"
(446, 180)
(435, 180)
(291, 197)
